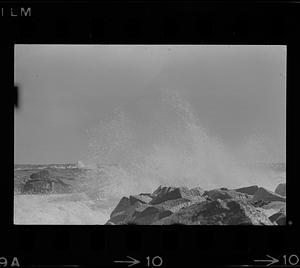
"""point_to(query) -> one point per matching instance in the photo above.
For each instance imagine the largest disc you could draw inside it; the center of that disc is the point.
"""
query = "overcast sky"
(237, 92)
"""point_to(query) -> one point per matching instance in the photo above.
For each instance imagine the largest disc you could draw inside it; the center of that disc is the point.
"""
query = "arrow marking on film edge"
(271, 261)
(131, 262)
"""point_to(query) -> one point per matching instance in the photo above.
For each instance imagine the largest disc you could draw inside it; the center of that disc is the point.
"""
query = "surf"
(182, 152)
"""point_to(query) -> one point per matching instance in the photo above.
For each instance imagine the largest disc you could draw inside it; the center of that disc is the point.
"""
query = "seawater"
(182, 153)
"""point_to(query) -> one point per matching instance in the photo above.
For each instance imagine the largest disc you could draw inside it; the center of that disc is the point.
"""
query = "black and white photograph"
(150, 135)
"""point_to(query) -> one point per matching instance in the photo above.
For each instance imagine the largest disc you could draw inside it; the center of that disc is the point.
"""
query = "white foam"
(56, 209)
(184, 154)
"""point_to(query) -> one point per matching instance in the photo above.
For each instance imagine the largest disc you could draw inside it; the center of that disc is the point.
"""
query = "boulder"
(273, 207)
(224, 188)
(179, 205)
(124, 216)
(169, 193)
(217, 212)
(266, 195)
(175, 205)
(197, 191)
(122, 206)
(251, 190)
(280, 189)
(45, 186)
(279, 218)
(43, 174)
(146, 214)
(259, 203)
(143, 198)
(161, 190)
(45, 182)
(225, 194)
(276, 205)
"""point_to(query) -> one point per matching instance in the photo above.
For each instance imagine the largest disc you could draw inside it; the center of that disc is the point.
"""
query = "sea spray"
(182, 154)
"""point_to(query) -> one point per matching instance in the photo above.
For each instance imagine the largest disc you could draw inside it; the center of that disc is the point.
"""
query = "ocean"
(123, 161)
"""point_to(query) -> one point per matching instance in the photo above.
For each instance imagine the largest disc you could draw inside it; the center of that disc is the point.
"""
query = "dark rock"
(281, 220)
(218, 212)
(43, 174)
(259, 203)
(279, 217)
(197, 191)
(248, 190)
(217, 194)
(46, 186)
(225, 194)
(143, 198)
(157, 190)
(148, 194)
(266, 195)
(44, 182)
(122, 206)
(281, 189)
(146, 213)
(169, 193)
(175, 205)
(224, 188)
(179, 205)
(162, 190)
(149, 214)
(124, 216)
(37, 187)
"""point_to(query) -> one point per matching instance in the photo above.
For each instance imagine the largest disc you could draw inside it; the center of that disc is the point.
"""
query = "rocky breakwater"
(45, 182)
(179, 205)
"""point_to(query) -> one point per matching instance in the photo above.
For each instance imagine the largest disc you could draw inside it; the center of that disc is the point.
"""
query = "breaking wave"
(181, 153)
